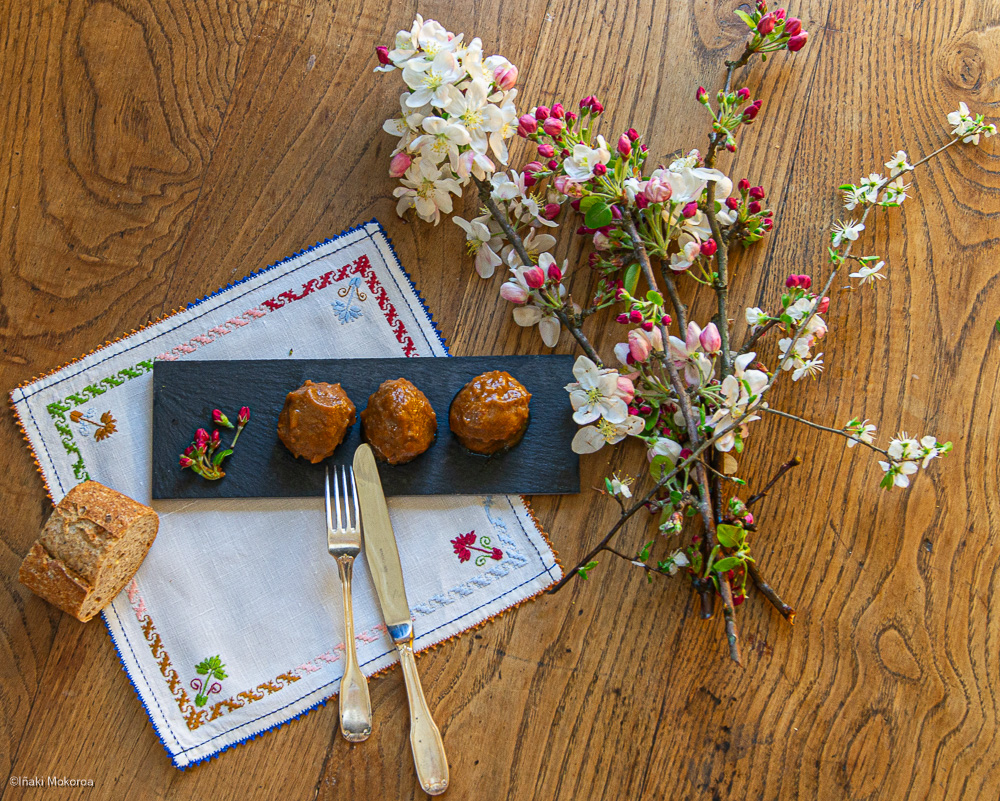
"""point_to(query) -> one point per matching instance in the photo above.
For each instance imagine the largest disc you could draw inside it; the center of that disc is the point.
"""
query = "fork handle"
(425, 739)
(355, 703)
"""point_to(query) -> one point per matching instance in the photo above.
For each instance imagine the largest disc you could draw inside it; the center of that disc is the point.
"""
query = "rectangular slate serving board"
(185, 393)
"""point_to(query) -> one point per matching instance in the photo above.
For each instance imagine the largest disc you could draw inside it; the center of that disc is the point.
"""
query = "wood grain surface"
(153, 150)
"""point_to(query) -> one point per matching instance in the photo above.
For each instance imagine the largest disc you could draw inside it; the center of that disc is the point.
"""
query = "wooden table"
(153, 150)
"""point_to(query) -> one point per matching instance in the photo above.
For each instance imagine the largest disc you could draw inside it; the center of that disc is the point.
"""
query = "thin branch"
(829, 430)
(795, 461)
(768, 592)
(755, 337)
(680, 310)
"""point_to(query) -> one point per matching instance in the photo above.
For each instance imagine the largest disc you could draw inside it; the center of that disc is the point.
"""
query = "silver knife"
(387, 575)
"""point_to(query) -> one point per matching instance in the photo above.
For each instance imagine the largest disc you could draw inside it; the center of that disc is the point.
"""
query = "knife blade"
(382, 555)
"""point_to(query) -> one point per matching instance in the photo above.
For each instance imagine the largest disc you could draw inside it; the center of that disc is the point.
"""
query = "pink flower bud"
(748, 518)
(553, 164)
(689, 210)
(805, 281)
(823, 306)
(647, 326)
(732, 203)
(657, 190)
(216, 438)
(522, 132)
(534, 277)
(244, 416)
(638, 346)
(792, 281)
(585, 103)
(528, 123)
(797, 42)
(624, 146)
(186, 461)
(542, 113)
(751, 111)
(557, 111)
(383, 54)
(596, 107)
(641, 201)
(635, 316)
(546, 151)
(513, 293)
(622, 318)
(600, 169)
(632, 410)
(701, 95)
(553, 126)
(220, 419)
(793, 26)
(757, 192)
(554, 273)
(626, 389)
(505, 76)
(780, 14)
(766, 24)
(666, 320)
(632, 134)
(708, 247)
(201, 438)
(189, 450)
(710, 338)
(570, 115)
(532, 167)
(399, 164)
(743, 185)
(767, 223)
(754, 207)
(743, 95)
(551, 211)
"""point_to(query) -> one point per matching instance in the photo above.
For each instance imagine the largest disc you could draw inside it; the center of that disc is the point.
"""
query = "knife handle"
(425, 739)
(355, 703)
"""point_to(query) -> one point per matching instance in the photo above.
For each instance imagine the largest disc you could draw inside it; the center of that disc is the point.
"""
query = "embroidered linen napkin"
(233, 624)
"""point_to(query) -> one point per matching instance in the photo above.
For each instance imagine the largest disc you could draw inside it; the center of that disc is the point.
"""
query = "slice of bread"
(90, 548)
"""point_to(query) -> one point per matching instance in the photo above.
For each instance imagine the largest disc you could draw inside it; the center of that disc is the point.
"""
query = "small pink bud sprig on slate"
(204, 456)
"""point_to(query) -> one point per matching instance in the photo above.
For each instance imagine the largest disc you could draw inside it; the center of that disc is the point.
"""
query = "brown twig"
(768, 592)
(795, 461)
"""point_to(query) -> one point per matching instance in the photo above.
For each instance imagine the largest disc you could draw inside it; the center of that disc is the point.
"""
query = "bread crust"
(89, 549)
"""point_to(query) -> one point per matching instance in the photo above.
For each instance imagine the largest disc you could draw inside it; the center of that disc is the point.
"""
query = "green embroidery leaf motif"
(212, 669)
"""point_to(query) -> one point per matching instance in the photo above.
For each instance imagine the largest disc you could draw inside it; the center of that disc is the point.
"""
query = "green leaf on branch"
(608, 487)
(654, 297)
(217, 459)
(746, 18)
(659, 466)
(730, 536)
(583, 571)
(644, 553)
(598, 215)
(587, 202)
(631, 278)
(727, 564)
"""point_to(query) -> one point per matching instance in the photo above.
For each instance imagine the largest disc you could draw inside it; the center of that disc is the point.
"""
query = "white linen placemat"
(233, 624)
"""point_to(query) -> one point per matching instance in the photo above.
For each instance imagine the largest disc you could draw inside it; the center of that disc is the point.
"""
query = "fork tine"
(329, 516)
(336, 495)
(357, 510)
(347, 496)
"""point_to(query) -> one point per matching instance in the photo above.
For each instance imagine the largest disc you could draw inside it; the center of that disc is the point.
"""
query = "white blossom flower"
(741, 392)
(962, 121)
(898, 163)
(504, 188)
(688, 356)
(895, 192)
(929, 446)
(432, 80)
(811, 367)
(535, 243)
(756, 317)
(442, 140)
(506, 129)
(854, 196)
(871, 186)
(677, 560)
(594, 394)
(620, 486)
(899, 472)
(482, 243)
(868, 274)
(684, 258)
(860, 431)
(849, 230)
(426, 187)
(580, 166)
(470, 107)
(592, 438)
(664, 446)
(903, 447)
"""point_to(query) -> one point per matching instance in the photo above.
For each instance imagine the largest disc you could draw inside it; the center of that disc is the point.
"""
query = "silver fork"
(344, 544)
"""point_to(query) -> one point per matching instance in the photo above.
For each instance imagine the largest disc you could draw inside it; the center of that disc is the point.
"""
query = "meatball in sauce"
(399, 422)
(315, 419)
(490, 413)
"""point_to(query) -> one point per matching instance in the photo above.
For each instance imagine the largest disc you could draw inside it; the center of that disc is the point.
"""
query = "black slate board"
(185, 393)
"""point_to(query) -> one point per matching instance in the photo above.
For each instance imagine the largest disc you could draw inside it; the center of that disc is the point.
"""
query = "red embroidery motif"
(465, 544)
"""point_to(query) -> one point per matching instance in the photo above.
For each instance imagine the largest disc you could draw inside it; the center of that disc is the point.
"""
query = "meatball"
(315, 419)
(399, 422)
(490, 413)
